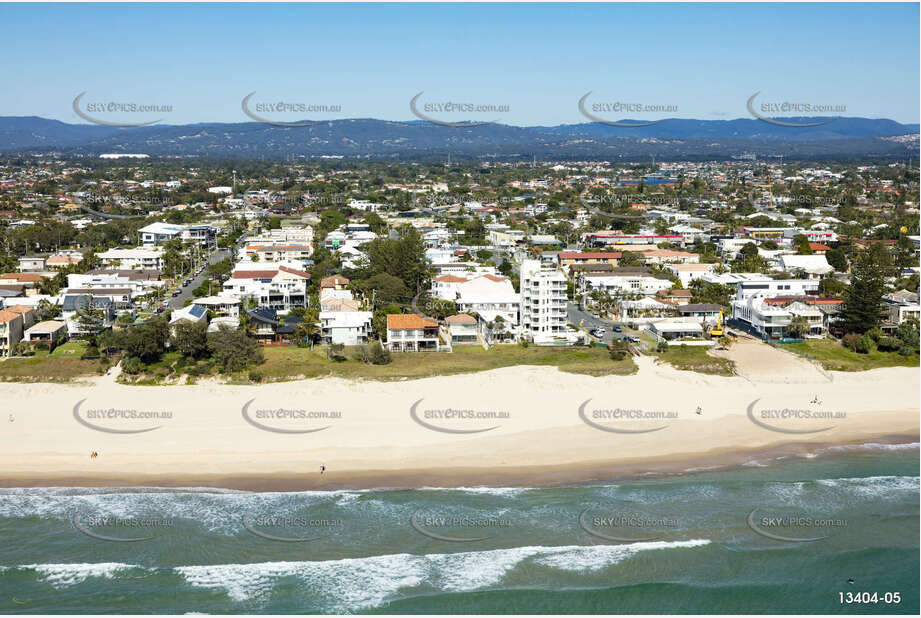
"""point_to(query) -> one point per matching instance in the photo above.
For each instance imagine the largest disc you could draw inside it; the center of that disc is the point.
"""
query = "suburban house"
(11, 331)
(812, 266)
(345, 327)
(334, 282)
(688, 272)
(901, 306)
(29, 281)
(278, 288)
(461, 329)
(568, 258)
(191, 313)
(74, 304)
(50, 332)
(220, 305)
(667, 256)
(676, 329)
(674, 296)
(706, 313)
(410, 332)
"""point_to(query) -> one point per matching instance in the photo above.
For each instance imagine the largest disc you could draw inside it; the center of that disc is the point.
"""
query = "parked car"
(617, 329)
(177, 293)
(633, 339)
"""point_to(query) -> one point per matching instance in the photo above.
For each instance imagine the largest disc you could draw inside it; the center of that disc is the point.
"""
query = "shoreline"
(587, 473)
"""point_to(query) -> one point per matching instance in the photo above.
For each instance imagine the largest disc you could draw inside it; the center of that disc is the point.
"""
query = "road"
(589, 322)
(186, 294)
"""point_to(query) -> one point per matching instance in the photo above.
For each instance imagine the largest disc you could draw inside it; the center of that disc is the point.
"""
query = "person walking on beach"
(322, 468)
(699, 410)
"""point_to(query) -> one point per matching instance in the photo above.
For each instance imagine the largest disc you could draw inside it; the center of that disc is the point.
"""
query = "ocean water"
(686, 543)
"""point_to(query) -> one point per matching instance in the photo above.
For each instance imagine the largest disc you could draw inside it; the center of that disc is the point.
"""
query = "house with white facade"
(627, 281)
(279, 288)
(133, 259)
(345, 327)
(410, 332)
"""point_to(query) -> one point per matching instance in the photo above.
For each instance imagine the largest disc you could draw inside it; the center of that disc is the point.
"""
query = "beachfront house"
(345, 327)
(49, 332)
(461, 329)
(410, 332)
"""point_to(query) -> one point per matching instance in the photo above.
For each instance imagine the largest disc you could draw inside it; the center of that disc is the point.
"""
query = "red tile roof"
(254, 274)
(408, 321)
(582, 255)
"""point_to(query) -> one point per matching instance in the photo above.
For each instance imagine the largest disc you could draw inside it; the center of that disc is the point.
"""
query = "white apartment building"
(133, 259)
(626, 283)
(279, 288)
(779, 287)
(488, 295)
(543, 302)
(159, 233)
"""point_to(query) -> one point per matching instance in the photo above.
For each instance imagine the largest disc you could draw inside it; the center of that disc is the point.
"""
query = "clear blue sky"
(538, 59)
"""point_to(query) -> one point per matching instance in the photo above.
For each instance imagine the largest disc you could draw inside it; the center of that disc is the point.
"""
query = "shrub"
(850, 341)
(91, 351)
(377, 354)
(132, 365)
(255, 376)
(888, 344)
(864, 344)
(617, 350)
(662, 347)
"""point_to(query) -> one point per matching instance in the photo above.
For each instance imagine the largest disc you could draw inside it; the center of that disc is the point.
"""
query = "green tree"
(190, 338)
(862, 309)
(233, 350)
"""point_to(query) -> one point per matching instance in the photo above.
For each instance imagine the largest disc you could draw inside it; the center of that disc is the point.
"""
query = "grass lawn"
(291, 362)
(834, 356)
(693, 358)
(62, 365)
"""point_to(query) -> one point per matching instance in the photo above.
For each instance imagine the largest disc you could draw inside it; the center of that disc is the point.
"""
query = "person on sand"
(322, 468)
(698, 410)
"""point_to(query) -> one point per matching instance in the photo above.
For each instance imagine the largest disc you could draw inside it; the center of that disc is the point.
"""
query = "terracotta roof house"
(410, 332)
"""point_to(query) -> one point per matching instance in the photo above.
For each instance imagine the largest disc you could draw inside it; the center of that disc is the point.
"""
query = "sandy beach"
(512, 426)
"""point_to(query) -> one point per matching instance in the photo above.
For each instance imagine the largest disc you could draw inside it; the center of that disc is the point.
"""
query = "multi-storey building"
(543, 302)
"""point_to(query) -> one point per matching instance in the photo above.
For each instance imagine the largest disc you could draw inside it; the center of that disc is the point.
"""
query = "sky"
(534, 61)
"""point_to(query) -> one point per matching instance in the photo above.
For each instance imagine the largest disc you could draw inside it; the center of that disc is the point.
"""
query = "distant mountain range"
(382, 139)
